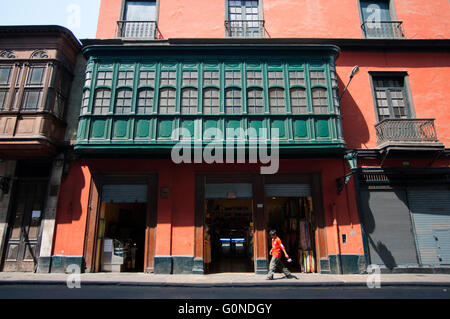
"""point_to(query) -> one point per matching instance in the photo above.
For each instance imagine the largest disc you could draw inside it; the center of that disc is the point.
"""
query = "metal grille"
(430, 209)
(138, 29)
(406, 130)
(383, 29)
(245, 28)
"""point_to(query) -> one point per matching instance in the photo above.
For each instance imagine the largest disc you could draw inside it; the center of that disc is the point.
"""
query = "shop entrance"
(122, 237)
(289, 210)
(228, 238)
(122, 228)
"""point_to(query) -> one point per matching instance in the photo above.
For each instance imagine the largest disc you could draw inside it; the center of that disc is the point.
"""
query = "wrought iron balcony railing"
(138, 30)
(245, 28)
(407, 131)
(383, 29)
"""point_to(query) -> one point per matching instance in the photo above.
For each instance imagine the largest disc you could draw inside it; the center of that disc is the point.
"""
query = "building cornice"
(345, 44)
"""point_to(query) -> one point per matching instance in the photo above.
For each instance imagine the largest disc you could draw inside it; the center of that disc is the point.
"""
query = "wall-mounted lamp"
(352, 74)
(352, 159)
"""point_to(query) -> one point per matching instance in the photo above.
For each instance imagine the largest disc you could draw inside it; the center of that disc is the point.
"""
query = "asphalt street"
(145, 292)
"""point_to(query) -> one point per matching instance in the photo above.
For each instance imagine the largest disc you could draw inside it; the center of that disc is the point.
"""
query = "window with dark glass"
(244, 19)
(377, 20)
(59, 106)
(391, 98)
(3, 97)
(36, 75)
(31, 99)
(5, 74)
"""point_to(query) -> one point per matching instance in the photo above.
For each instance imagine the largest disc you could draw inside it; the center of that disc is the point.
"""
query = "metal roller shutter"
(124, 193)
(387, 224)
(287, 190)
(430, 209)
(228, 190)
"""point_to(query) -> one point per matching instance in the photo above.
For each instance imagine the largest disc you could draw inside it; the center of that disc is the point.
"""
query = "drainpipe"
(338, 242)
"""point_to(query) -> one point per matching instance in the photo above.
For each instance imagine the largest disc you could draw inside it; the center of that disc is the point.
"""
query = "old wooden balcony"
(412, 134)
(383, 29)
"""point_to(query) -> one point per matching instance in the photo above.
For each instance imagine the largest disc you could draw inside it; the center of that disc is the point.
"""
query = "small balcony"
(383, 29)
(412, 134)
(245, 28)
(138, 30)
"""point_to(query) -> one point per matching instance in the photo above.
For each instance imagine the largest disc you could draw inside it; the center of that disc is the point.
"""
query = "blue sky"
(80, 16)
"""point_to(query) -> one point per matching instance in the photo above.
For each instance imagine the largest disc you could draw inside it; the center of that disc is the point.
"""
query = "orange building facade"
(363, 170)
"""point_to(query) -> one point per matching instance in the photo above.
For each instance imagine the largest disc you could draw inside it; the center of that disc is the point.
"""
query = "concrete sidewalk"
(225, 280)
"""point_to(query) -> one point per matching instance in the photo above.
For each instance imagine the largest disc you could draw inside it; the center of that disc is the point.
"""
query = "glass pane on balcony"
(140, 11)
(147, 78)
(31, 99)
(297, 77)
(211, 101)
(3, 97)
(167, 101)
(320, 104)
(145, 101)
(375, 11)
(233, 78)
(255, 102)
(233, 101)
(189, 101)
(102, 101)
(5, 73)
(36, 76)
(277, 101)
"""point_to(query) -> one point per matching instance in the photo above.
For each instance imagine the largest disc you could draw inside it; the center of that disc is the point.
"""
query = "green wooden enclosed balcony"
(136, 97)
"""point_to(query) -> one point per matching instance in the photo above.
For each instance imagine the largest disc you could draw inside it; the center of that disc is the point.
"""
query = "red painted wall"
(428, 74)
(285, 18)
(175, 230)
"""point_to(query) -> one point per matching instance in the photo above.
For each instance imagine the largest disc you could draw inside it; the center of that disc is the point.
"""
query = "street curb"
(225, 285)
